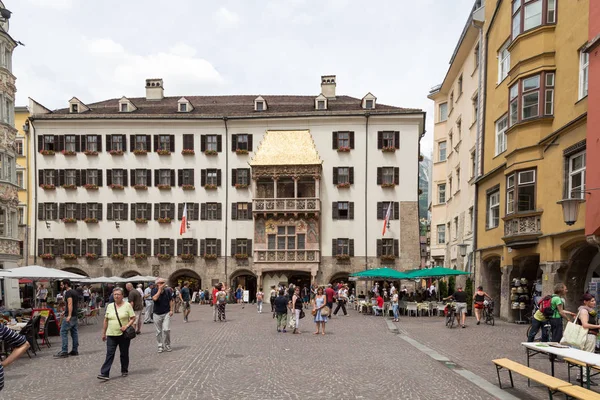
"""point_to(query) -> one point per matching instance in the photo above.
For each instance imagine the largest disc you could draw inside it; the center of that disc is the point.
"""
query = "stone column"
(505, 303)
(295, 178)
(550, 276)
(317, 187)
(275, 187)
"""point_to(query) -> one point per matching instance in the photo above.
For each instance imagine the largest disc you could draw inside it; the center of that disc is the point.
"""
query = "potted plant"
(343, 257)
(164, 220)
(140, 256)
(68, 186)
(91, 220)
(343, 149)
(139, 152)
(241, 256)
(116, 152)
(388, 185)
(241, 151)
(69, 256)
(47, 186)
(117, 256)
(210, 256)
(241, 186)
(47, 256)
(162, 256)
(90, 152)
(69, 220)
(114, 186)
(388, 149)
(210, 186)
(188, 152)
(388, 257)
(163, 152)
(343, 185)
(47, 152)
(141, 221)
(91, 256)
(91, 186)
(187, 256)
(140, 187)
(210, 152)
(68, 153)
(188, 187)
(164, 187)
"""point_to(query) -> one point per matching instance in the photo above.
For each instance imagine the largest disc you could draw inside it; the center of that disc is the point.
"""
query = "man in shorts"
(460, 298)
(184, 296)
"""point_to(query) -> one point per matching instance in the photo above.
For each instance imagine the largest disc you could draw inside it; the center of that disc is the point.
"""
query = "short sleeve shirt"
(14, 340)
(556, 301)
(71, 294)
(185, 294)
(136, 299)
(125, 313)
(163, 305)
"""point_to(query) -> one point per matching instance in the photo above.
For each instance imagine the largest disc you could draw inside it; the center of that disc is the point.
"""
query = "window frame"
(547, 15)
(503, 62)
(584, 73)
(515, 189)
(493, 221)
(501, 140)
(544, 90)
(571, 173)
(443, 112)
(444, 148)
(441, 192)
(441, 234)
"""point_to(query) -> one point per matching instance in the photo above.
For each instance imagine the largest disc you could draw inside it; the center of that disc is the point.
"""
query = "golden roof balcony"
(285, 206)
(287, 256)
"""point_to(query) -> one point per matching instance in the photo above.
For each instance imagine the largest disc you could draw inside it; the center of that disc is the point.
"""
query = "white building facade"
(278, 188)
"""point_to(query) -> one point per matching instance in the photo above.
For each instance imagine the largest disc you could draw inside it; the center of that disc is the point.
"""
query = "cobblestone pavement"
(245, 358)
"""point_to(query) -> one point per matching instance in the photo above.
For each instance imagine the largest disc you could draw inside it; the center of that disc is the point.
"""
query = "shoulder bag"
(575, 335)
(130, 331)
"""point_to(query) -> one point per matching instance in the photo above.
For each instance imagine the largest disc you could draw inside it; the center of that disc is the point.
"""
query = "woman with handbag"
(588, 319)
(118, 331)
(297, 307)
(320, 310)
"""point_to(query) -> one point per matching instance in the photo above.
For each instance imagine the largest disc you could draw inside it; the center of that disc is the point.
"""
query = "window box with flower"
(116, 152)
(187, 256)
(139, 152)
(241, 186)
(210, 186)
(140, 187)
(387, 257)
(68, 153)
(69, 256)
(241, 256)
(343, 149)
(91, 186)
(68, 186)
(47, 256)
(241, 151)
(162, 256)
(140, 256)
(69, 221)
(47, 152)
(90, 152)
(188, 187)
(343, 185)
(210, 152)
(210, 256)
(47, 186)
(388, 185)
(163, 152)
(91, 220)
(164, 187)
(114, 186)
(91, 256)
(388, 149)
(342, 257)
(141, 221)
(117, 256)
(188, 152)
(165, 220)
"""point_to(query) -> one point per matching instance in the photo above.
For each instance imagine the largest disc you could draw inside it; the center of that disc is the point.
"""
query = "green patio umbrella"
(380, 273)
(436, 272)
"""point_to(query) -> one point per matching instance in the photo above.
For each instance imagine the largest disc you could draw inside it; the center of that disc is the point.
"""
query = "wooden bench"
(553, 384)
(577, 392)
(572, 363)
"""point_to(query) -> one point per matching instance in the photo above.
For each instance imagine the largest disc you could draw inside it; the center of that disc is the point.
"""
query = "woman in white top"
(395, 306)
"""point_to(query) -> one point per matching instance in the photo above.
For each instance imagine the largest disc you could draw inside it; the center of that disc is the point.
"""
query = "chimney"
(328, 86)
(154, 89)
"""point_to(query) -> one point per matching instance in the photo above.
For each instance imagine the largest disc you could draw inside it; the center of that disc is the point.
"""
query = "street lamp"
(462, 248)
(570, 209)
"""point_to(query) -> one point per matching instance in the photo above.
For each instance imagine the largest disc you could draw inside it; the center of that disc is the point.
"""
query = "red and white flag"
(183, 226)
(388, 215)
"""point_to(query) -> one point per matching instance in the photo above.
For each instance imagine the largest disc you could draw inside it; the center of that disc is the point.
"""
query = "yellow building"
(533, 153)
(23, 178)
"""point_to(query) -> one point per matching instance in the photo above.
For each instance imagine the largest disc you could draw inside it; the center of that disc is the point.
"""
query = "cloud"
(54, 4)
(226, 18)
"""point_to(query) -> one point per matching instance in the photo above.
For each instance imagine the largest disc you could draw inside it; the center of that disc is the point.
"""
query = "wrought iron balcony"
(287, 205)
(287, 256)
(522, 230)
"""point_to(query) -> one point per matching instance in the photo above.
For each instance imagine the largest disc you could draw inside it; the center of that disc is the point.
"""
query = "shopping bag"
(325, 311)
(292, 322)
(574, 335)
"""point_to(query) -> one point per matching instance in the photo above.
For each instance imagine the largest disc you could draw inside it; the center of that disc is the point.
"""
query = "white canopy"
(141, 278)
(38, 272)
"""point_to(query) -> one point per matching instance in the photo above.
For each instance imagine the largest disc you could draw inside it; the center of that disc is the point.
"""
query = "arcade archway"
(76, 271)
(178, 277)
(247, 280)
(583, 266)
(492, 280)
(342, 277)
(129, 274)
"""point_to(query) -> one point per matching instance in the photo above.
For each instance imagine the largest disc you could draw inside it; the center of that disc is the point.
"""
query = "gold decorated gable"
(286, 148)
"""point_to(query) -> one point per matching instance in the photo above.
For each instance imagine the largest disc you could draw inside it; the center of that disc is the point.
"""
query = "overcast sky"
(97, 50)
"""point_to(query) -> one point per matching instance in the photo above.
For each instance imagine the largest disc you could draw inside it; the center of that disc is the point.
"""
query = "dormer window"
(260, 104)
(321, 102)
(321, 105)
(74, 108)
(124, 107)
(368, 102)
(183, 107)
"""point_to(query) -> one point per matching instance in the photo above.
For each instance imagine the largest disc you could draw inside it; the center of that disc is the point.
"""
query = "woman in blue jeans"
(395, 306)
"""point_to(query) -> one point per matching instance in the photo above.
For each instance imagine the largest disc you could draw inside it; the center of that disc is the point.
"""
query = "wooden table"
(585, 357)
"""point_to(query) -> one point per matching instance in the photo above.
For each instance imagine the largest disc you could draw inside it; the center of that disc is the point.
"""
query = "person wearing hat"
(164, 303)
(149, 304)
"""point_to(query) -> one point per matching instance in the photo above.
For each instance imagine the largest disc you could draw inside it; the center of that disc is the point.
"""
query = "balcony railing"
(287, 255)
(309, 204)
(529, 225)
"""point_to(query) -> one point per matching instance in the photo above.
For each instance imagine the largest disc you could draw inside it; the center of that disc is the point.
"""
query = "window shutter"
(218, 247)
(203, 211)
(77, 143)
(61, 210)
(132, 247)
(148, 142)
(99, 171)
(41, 177)
(61, 177)
(351, 175)
(156, 247)
(125, 212)
(203, 178)
(172, 144)
(219, 143)
(83, 139)
(380, 140)
(351, 136)
(172, 177)
(334, 210)
(202, 247)
(83, 177)
(109, 247)
(219, 211)
(351, 210)
(233, 142)
(79, 247)
(396, 175)
(99, 142)
(196, 215)
(155, 143)
(218, 177)
(180, 211)
(195, 247)
(125, 183)
(172, 211)
(192, 177)
(188, 142)
(334, 247)
(99, 246)
(40, 247)
(379, 210)
(203, 143)
(233, 177)
(41, 211)
(149, 177)
(125, 248)
(171, 246)
(60, 248)
(233, 247)
(108, 177)
(108, 142)
(379, 247)
(56, 142)
(124, 142)
(133, 213)
(397, 139)
(334, 141)
(78, 211)
(335, 175)
(40, 148)
(100, 209)
(234, 211)
(180, 177)
(61, 143)
(249, 142)
(156, 211)
(131, 143)
(179, 246)
(249, 247)
(250, 211)
(351, 247)
(379, 172)
(396, 248)
(396, 210)
(156, 177)
(109, 212)
(132, 172)
(83, 212)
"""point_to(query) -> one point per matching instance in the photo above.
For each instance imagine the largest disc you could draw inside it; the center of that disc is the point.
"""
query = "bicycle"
(488, 312)
(450, 315)
(545, 327)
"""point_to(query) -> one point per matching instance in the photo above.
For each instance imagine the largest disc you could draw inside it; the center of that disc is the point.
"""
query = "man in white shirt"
(341, 300)
(149, 304)
(139, 289)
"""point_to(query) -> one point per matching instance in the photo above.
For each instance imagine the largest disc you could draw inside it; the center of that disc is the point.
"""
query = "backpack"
(221, 297)
(545, 306)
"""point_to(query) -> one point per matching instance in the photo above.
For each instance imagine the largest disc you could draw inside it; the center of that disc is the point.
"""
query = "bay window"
(531, 97)
(529, 14)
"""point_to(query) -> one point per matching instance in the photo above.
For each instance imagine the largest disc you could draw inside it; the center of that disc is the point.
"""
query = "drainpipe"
(367, 115)
(35, 178)
(226, 194)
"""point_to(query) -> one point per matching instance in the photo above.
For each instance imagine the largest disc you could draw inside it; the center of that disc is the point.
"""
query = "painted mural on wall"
(308, 227)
